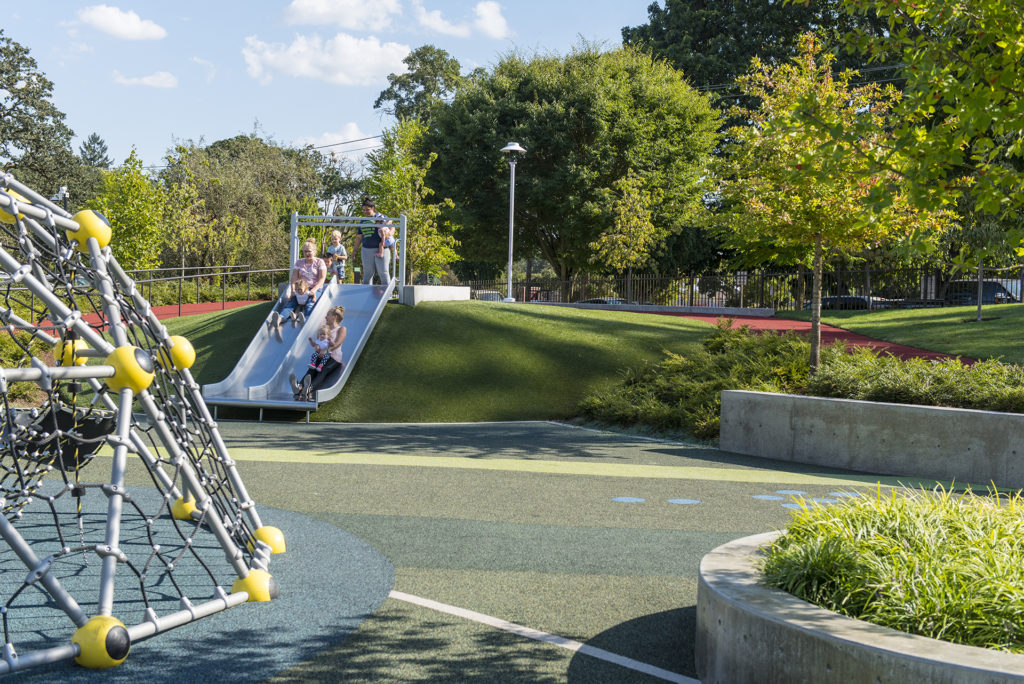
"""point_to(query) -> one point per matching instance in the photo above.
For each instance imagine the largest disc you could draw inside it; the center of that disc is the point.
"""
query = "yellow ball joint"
(70, 352)
(183, 508)
(180, 356)
(260, 585)
(90, 224)
(7, 213)
(103, 642)
(271, 536)
(133, 369)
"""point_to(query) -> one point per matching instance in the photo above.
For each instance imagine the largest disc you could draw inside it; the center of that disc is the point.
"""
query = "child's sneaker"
(296, 387)
(299, 320)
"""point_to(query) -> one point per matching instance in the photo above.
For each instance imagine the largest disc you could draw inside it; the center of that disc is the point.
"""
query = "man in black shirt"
(368, 240)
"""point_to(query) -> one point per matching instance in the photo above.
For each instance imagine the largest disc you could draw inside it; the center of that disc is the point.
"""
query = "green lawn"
(465, 361)
(952, 330)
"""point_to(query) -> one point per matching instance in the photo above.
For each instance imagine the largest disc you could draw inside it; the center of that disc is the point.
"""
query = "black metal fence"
(846, 289)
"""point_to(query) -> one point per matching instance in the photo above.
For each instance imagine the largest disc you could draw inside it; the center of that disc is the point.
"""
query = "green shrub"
(683, 392)
(941, 565)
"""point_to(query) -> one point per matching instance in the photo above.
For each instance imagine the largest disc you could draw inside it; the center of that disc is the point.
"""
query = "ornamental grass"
(939, 564)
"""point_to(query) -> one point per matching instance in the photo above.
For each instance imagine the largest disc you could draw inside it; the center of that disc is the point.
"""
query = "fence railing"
(841, 289)
(193, 284)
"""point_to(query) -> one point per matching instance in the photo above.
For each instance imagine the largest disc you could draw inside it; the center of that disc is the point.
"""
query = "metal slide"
(260, 379)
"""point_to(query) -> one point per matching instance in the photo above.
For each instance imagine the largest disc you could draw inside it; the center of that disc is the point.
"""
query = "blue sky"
(298, 71)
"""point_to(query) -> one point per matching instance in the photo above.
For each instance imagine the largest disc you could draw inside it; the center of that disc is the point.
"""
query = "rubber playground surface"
(487, 552)
(492, 552)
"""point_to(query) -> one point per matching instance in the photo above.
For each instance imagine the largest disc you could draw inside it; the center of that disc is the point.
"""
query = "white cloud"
(120, 24)
(489, 20)
(347, 14)
(342, 60)
(433, 20)
(211, 70)
(161, 79)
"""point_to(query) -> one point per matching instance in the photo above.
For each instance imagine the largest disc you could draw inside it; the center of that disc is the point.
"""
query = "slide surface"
(260, 379)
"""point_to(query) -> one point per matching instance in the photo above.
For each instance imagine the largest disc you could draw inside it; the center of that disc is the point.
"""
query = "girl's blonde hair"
(301, 286)
(336, 232)
(324, 330)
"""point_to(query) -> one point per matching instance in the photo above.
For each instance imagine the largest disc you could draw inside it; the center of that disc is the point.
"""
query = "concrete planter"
(976, 447)
(747, 632)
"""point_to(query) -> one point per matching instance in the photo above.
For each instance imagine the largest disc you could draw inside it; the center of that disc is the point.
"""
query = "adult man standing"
(368, 239)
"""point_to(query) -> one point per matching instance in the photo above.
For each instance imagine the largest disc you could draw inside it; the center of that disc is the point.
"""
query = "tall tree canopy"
(432, 76)
(134, 204)
(254, 182)
(587, 120)
(713, 42)
(35, 143)
(396, 175)
(788, 188)
(93, 152)
(961, 118)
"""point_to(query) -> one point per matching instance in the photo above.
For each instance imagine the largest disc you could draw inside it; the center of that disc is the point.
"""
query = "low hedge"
(683, 392)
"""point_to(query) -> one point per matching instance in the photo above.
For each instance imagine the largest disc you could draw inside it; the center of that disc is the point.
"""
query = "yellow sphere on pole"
(70, 352)
(6, 213)
(91, 224)
(133, 369)
(259, 584)
(102, 642)
(271, 536)
(182, 354)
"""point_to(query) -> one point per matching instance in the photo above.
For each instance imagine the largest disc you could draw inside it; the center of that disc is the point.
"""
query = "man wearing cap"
(368, 240)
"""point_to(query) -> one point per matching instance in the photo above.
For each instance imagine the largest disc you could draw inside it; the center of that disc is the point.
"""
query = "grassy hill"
(465, 361)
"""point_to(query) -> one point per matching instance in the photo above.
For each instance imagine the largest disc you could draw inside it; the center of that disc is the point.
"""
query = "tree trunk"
(816, 307)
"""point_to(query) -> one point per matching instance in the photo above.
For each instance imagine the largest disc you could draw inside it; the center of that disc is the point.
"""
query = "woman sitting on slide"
(315, 378)
(310, 269)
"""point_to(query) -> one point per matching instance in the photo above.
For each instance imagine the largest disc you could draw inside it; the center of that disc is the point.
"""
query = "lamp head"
(513, 148)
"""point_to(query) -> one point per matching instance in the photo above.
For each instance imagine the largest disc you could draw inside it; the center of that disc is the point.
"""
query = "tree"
(960, 123)
(35, 143)
(628, 244)
(788, 188)
(134, 204)
(397, 177)
(253, 184)
(714, 42)
(93, 152)
(586, 120)
(432, 77)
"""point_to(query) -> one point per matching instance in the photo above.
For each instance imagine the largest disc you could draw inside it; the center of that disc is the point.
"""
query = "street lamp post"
(512, 149)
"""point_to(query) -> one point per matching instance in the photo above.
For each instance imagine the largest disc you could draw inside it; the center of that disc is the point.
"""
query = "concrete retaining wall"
(971, 447)
(724, 311)
(414, 294)
(747, 632)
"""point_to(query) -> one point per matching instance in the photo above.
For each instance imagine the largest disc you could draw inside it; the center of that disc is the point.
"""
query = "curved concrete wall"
(747, 632)
(976, 447)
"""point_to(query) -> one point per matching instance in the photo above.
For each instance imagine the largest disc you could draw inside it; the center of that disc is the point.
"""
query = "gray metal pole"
(511, 213)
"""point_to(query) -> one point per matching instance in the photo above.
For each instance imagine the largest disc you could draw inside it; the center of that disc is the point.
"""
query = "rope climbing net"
(95, 393)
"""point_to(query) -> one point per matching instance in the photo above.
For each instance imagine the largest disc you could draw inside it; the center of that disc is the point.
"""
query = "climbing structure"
(123, 514)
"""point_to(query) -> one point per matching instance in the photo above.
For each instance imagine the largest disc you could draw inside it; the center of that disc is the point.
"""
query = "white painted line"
(537, 635)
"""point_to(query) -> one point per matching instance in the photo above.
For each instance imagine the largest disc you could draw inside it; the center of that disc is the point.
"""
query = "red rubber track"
(829, 334)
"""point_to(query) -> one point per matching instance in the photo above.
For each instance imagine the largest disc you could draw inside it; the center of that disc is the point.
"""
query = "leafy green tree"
(788, 188)
(713, 42)
(253, 184)
(134, 204)
(586, 120)
(35, 143)
(960, 123)
(432, 76)
(192, 236)
(93, 152)
(628, 244)
(396, 176)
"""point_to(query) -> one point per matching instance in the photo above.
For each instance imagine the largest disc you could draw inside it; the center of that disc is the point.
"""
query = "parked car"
(488, 296)
(603, 300)
(849, 302)
(965, 292)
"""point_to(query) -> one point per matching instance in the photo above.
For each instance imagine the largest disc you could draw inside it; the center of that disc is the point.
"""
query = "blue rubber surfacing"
(330, 581)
